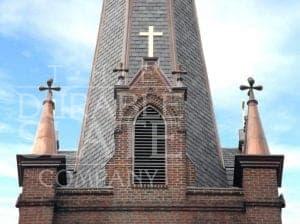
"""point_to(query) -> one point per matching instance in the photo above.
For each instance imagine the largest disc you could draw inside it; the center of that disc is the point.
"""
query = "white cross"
(151, 34)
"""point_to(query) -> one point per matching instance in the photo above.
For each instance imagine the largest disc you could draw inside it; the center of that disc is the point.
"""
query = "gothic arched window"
(149, 148)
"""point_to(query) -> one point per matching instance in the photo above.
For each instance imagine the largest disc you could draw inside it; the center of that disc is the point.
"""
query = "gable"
(150, 76)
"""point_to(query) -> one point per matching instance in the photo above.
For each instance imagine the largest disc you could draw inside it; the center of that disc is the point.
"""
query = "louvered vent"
(149, 153)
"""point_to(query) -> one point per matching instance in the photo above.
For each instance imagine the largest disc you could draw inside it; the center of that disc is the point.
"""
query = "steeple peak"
(256, 143)
(45, 141)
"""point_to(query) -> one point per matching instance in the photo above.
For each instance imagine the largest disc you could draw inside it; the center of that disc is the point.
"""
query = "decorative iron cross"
(50, 88)
(151, 34)
(251, 88)
(179, 70)
(121, 68)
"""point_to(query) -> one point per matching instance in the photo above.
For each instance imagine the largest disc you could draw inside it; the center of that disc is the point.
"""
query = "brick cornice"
(35, 202)
(87, 191)
(232, 207)
(214, 191)
(257, 162)
(266, 203)
(46, 161)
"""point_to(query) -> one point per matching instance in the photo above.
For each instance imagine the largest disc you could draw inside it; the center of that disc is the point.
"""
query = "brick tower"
(149, 150)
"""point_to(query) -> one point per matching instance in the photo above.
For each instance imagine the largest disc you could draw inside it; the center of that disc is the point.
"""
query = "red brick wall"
(180, 217)
(179, 202)
(200, 206)
(36, 202)
(150, 88)
(36, 215)
(255, 203)
(261, 192)
(39, 183)
(263, 215)
(260, 184)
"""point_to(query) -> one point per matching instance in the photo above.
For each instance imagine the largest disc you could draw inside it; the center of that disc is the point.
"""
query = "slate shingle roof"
(70, 159)
(229, 157)
(70, 164)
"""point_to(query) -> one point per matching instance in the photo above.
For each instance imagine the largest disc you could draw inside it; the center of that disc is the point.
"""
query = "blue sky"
(240, 38)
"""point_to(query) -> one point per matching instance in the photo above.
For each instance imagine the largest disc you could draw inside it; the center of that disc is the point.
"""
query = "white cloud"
(64, 21)
(69, 28)
(5, 128)
(8, 212)
(242, 39)
(8, 165)
(291, 213)
(6, 94)
(290, 188)
(7, 91)
(291, 153)
(9, 215)
(281, 121)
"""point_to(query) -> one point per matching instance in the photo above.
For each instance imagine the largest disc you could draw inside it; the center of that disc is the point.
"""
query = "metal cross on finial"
(50, 88)
(120, 68)
(251, 88)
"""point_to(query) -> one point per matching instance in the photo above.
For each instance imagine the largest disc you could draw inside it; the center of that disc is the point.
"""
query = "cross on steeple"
(120, 68)
(151, 34)
(50, 89)
(251, 88)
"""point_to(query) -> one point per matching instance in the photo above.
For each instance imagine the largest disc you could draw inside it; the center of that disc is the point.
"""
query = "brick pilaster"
(260, 177)
(39, 177)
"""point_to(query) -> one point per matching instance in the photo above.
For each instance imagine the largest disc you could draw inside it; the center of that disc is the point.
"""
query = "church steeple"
(149, 149)
(167, 31)
(45, 141)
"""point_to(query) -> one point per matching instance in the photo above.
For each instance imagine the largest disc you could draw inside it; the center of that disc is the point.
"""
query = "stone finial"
(121, 70)
(256, 143)
(45, 141)
(178, 73)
